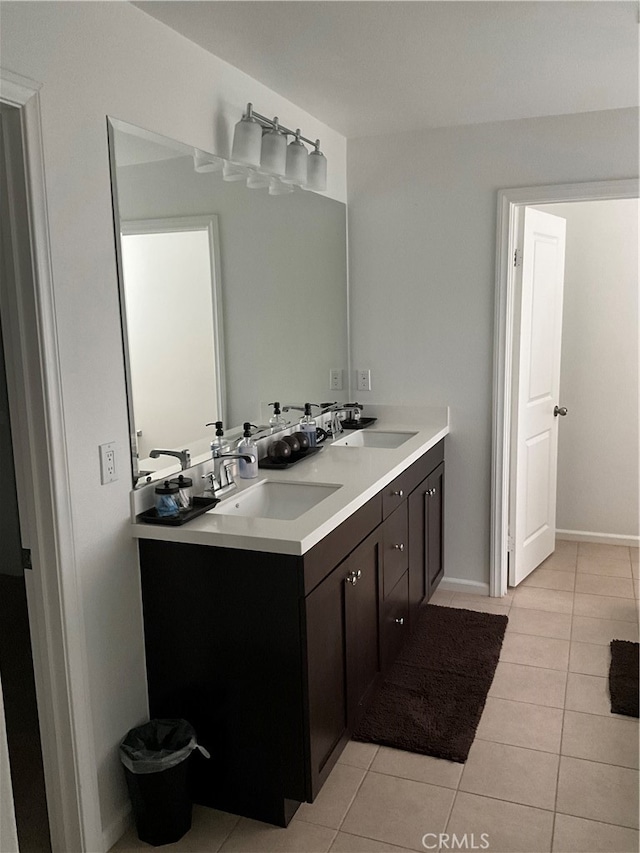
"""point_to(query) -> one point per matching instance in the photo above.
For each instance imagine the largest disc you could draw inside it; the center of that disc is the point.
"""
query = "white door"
(536, 371)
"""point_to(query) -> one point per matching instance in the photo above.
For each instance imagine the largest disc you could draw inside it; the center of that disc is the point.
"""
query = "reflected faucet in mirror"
(183, 455)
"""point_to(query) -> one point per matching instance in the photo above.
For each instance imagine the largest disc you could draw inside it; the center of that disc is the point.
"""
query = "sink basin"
(373, 438)
(274, 499)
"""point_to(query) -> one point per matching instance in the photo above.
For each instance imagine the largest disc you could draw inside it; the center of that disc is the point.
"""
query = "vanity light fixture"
(260, 144)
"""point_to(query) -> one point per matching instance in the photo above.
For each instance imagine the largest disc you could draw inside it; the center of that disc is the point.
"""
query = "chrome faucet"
(336, 409)
(221, 478)
(183, 455)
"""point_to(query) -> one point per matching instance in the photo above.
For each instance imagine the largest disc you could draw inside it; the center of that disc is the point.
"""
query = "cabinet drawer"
(324, 556)
(395, 622)
(399, 489)
(395, 557)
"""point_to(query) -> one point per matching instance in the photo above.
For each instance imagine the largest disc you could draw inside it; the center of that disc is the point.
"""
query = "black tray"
(200, 506)
(361, 424)
(298, 456)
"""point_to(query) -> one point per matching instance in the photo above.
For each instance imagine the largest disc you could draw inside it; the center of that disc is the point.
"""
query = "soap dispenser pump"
(276, 421)
(308, 425)
(247, 445)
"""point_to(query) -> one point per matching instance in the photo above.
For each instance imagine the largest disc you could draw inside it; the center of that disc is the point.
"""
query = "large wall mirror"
(230, 297)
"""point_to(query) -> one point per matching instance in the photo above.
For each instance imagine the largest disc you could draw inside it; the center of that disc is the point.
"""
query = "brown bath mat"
(432, 698)
(623, 677)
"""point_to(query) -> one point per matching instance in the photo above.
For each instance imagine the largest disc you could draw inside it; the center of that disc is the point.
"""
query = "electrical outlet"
(335, 379)
(363, 380)
(108, 473)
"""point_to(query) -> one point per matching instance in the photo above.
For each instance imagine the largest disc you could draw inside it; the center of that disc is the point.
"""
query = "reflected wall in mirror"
(277, 288)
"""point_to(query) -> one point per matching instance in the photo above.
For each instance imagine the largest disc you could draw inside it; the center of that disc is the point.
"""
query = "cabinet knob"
(400, 621)
(431, 492)
(399, 493)
(399, 547)
(353, 577)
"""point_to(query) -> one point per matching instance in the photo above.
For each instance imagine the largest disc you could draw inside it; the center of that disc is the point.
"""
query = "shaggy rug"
(432, 698)
(623, 677)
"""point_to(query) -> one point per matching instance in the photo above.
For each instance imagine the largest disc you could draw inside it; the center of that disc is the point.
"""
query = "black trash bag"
(155, 756)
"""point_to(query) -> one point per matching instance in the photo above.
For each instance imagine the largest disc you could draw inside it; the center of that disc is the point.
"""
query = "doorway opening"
(42, 486)
(511, 210)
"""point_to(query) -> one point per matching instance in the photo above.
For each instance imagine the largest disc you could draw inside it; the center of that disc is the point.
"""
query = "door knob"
(560, 410)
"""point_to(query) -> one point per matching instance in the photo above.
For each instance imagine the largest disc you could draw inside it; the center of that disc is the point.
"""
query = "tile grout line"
(357, 791)
(229, 834)
(564, 716)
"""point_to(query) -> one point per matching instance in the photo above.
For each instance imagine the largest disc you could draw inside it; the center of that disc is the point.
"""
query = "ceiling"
(365, 68)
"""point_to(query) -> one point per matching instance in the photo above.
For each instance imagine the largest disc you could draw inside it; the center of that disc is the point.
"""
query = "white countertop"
(361, 472)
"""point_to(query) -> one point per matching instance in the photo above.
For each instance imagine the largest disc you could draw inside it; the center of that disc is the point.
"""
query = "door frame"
(54, 592)
(511, 204)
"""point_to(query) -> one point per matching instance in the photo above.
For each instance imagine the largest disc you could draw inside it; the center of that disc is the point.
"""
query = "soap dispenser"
(218, 446)
(276, 421)
(308, 425)
(248, 470)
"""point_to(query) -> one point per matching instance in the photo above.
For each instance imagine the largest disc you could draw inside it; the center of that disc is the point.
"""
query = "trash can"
(155, 758)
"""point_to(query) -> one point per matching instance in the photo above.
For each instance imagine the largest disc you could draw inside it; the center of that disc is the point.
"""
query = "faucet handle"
(213, 483)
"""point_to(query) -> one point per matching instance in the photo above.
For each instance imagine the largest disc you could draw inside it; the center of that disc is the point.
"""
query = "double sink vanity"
(270, 619)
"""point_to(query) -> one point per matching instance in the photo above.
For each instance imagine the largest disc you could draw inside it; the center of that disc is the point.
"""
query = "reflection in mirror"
(171, 281)
(277, 285)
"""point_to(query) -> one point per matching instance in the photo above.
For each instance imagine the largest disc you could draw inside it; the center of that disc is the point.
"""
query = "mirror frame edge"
(112, 126)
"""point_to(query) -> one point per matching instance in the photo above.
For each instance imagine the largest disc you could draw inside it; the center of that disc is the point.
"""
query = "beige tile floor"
(551, 768)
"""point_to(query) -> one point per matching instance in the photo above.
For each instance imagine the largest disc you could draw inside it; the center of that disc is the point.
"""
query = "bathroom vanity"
(269, 635)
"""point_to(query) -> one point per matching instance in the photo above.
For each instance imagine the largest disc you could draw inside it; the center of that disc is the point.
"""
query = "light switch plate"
(363, 380)
(335, 379)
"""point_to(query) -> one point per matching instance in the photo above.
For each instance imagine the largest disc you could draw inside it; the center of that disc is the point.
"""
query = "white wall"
(422, 236)
(598, 444)
(96, 59)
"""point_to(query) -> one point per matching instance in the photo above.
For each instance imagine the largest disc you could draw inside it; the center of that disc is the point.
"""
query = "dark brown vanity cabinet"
(273, 657)
(342, 653)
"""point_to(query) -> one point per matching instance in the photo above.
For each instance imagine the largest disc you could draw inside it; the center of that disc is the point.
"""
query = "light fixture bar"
(269, 122)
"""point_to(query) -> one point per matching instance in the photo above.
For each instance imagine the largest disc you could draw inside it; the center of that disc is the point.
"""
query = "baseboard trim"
(598, 538)
(461, 585)
(117, 828)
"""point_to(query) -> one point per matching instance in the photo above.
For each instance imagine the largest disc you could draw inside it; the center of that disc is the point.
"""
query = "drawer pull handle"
(399, 493)
(431, 492)
(353, 577)
(400, 621)
(399, 547)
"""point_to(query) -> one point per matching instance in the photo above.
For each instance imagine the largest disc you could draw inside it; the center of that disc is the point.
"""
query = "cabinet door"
(435, 528)
(418, 578)
(362, 581)
(327, 675)
(426, 539)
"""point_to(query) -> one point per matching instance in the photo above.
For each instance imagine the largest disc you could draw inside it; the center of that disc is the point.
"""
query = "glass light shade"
(247, 142)
(316, 171)
(257, 180)
(274, 152)
(278, 187)
(231, 172)
(207, 162)
(296, 167)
